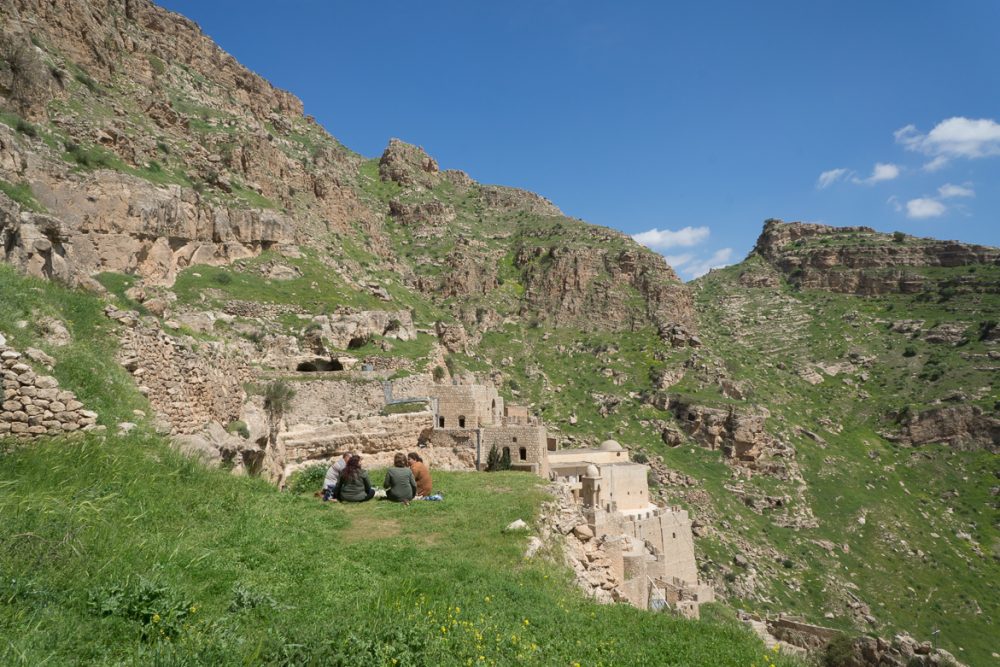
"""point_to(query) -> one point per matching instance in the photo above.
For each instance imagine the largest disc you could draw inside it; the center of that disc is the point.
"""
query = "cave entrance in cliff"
(319, 365)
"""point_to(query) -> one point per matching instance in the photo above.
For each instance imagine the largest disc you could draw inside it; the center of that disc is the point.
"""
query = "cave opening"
(319, 365)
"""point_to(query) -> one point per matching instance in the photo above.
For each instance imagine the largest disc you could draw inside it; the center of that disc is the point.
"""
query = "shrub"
(640, 457)
(307, 480)
(222, 278)
(278, 397)
(157, 65)
(87, 81)
(438, 373)
(497, 460)
(240, 428)
(26, 128)
(898, 237)
(910, 351)
(986, 328)
(89, 158)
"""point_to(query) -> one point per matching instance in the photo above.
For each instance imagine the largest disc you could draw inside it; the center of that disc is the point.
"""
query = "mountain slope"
(828, 408)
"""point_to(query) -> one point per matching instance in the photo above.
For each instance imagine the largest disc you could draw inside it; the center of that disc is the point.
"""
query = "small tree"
(505, 459)
(438, 373)
(493, 459)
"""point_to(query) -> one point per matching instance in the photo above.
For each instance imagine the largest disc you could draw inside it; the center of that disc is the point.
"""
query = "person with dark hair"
(399, 481)
(421, 474)
(354, 485)
(333, 476)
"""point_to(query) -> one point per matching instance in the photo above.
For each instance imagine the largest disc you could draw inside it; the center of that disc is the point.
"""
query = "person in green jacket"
(354, 486)
(399, 481)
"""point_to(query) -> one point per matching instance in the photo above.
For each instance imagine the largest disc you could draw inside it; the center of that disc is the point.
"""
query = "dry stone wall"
(34, 405)
(188, 384)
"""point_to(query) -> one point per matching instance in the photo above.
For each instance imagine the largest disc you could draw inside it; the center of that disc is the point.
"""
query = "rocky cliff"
(138, 146)
(859, 260)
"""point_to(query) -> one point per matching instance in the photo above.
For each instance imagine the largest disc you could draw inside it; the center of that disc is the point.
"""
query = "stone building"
(465, 406)
(651, 548)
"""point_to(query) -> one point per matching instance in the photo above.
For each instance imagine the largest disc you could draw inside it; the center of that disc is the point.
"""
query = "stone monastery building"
(651, 548)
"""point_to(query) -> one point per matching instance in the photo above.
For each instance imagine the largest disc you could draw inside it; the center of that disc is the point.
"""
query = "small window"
(440, 422)
(673, 535)
(514, 439)
(523, 453)
(461, 421)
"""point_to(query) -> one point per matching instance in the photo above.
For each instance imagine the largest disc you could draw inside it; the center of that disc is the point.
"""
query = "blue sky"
(685, 124)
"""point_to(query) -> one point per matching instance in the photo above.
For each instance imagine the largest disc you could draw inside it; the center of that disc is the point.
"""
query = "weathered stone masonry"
(34, 405)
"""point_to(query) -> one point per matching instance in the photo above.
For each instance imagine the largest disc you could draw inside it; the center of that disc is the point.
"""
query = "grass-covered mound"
(120, 551)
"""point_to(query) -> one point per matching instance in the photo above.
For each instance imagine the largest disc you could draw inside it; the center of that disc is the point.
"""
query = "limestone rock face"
(590, 285)
(109, 221)
(859, 260)
(406, 164)
(430, 213)
(960, 426)
(513, 199)
(342, 328)
(103, 219)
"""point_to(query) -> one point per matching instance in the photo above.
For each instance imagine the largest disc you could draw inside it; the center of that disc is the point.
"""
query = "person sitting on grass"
(421, 474)
(354, 486)
(399, 481)
(333, 476)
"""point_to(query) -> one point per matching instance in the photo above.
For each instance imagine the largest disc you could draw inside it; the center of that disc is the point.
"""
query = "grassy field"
(120, 551)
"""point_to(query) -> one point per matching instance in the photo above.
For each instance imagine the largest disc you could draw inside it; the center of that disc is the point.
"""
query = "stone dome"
(592, 471)
(611, 446)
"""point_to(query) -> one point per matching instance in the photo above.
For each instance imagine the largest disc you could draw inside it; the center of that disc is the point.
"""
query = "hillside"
(828, 409)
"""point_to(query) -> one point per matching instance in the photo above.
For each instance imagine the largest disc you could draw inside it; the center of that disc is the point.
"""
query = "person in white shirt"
(333, 477)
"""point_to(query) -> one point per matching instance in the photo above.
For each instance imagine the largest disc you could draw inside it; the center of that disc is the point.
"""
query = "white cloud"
(828, 178)
(717, 260)
(924, 207)
(677, 261)
(883, 172)
(937, 163)
(894, 202)
(948, 190)
(658, 239)
(880, 172)
(956, 137)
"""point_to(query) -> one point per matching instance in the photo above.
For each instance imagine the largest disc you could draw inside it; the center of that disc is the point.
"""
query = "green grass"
(87, 363)
(22, 194)
(120, 551)
(907, 549)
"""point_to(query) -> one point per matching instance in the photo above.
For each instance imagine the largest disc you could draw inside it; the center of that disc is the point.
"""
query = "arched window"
(440, 422)
(523, 454)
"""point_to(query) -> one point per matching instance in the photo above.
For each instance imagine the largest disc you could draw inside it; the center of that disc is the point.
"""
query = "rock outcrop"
(959, 426)
(859, 260)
